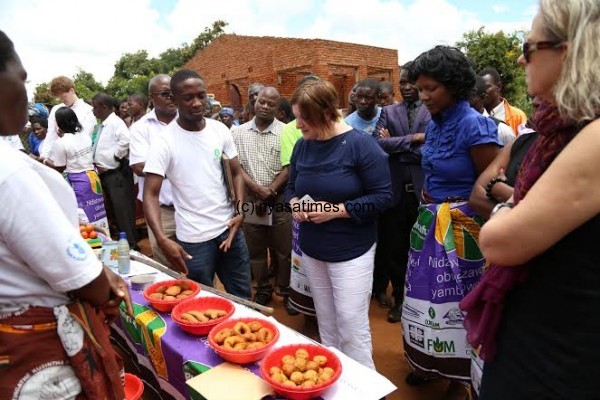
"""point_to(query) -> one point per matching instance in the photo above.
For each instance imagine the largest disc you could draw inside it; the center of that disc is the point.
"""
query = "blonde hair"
(60, 85)
(577, 91)
(317, 101)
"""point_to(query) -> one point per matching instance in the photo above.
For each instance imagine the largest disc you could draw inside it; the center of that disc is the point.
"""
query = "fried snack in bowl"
(235, 341)
(200, 315)
(165, 295)
(282, 369)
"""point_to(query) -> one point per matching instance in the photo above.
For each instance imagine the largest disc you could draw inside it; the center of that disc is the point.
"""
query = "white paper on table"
(139, 268)
(372, 385)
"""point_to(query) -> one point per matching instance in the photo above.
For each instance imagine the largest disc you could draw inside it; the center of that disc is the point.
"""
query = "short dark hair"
(104, 99)
(493, 73)
(7, 51)
(67, 121)
(140, 98)
(368, 83)
(385, 85)
(284, 106)
(36, 119)
(116, 103)
(183, 75)
(480, 86)
(447, 65)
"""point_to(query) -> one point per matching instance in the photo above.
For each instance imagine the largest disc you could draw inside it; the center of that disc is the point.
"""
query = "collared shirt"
(505, 133)
(412, 111)
(447, 163)
(142, 133)
(113, 141)
(85, 116)
(499, 112)
(259, 152)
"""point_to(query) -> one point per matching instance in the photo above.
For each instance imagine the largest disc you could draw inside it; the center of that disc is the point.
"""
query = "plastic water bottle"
(123, 252)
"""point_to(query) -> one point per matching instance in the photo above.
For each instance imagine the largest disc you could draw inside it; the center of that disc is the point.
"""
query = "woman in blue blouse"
(346, 174)
(444, 258)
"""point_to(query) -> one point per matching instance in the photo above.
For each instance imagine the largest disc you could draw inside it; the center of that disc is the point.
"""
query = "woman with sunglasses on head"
(534, 316)
(55, 296)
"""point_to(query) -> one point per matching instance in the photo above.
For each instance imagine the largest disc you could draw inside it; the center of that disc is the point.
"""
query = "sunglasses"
(165, 93)
(529, 48)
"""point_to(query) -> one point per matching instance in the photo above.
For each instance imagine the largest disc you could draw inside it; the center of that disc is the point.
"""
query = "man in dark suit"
(400, 132)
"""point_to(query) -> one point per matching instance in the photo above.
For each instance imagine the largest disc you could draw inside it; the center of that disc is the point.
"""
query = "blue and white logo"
(76, 249)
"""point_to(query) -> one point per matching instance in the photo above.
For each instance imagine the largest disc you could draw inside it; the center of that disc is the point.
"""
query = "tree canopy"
(499, 51)
(133, 71)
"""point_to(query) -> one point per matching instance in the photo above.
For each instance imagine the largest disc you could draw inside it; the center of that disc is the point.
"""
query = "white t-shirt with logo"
(192, 161)
(42, 255)
(73, 151)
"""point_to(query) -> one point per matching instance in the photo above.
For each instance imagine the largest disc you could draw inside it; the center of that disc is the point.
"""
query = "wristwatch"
(498, 206)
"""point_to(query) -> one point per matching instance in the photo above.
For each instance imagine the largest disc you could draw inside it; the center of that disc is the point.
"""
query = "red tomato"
(93, 235)
(84, 234)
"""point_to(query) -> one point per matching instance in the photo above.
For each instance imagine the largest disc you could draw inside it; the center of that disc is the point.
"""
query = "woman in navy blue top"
(346, 174)
(444, 258)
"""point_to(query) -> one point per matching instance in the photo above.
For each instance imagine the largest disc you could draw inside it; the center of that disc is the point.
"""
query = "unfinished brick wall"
(234, 62)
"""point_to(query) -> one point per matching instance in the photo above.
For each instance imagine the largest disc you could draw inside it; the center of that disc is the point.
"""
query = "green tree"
(42, 94)
(205, 38)
(133, 71)
(500, 51)
(86, 86)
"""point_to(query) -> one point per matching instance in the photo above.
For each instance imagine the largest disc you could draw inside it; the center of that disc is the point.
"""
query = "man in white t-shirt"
(142, 133)
(64, 89)
(207, 225)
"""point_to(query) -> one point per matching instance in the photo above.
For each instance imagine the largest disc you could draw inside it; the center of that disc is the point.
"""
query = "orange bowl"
(242, 356)
(134, 387)
(167, 305)
(273, 359)
(201, 304)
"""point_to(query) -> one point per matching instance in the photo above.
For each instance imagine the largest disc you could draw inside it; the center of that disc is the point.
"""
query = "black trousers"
(117, 185)
(393, 243)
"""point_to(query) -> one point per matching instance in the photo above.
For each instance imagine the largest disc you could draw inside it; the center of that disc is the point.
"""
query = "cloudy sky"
(58, 37)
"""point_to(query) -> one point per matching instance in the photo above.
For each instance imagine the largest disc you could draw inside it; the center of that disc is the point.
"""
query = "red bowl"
(242, 356)
(134, 387)
(167, 305)
(201, 304)
(273, 359)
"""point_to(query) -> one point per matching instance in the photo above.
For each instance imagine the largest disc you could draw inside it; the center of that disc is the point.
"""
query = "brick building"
(232, 62)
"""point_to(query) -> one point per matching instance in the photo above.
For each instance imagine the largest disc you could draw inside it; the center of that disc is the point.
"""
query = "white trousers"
(342, 292)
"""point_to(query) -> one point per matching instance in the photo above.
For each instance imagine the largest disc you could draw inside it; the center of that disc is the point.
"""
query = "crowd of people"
(480, 219)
